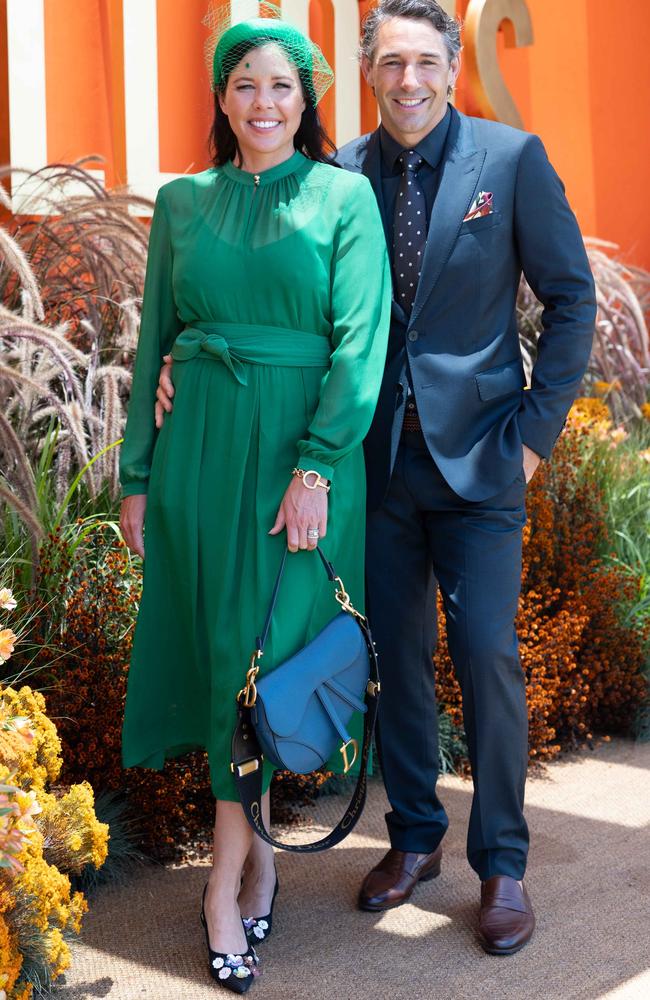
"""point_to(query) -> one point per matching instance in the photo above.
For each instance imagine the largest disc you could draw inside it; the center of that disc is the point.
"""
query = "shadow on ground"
(588, 878)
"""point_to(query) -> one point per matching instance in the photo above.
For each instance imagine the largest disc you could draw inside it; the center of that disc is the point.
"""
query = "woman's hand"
(164, 392)
(132, 522)
(301, 508)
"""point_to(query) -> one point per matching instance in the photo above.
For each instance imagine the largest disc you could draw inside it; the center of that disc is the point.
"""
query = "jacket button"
(413, 335)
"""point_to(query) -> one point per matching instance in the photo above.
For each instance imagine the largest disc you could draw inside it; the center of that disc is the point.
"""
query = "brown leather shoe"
(395, 877)
(506, 921)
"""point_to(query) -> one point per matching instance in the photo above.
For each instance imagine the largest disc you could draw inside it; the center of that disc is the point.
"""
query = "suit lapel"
(458, 183)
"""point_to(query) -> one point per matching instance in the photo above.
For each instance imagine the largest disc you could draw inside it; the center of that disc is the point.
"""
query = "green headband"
(300, 50)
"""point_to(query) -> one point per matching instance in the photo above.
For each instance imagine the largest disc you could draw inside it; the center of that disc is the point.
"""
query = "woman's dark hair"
(311, 139)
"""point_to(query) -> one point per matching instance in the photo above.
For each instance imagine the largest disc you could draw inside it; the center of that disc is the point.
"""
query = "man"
(455, 439)
(467, 206)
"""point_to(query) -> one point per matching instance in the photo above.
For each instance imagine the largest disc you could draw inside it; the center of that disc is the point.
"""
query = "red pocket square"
(482, 205)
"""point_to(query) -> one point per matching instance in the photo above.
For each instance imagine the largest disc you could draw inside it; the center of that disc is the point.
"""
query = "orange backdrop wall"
(583, 86)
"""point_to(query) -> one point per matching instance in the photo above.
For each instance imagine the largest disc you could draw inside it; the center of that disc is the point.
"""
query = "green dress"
(272, 293)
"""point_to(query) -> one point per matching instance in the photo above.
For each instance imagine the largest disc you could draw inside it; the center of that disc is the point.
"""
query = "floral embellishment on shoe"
(256, 927)
(251, 961)
(240, 966)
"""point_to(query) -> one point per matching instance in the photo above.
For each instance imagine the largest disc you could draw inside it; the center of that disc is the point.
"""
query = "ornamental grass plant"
(620, 357)
(70, 293)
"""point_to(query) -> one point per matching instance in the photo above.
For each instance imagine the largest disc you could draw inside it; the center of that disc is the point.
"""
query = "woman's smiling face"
(264, 102)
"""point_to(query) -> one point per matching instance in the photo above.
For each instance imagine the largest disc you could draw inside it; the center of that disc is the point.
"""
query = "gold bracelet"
(318, 481)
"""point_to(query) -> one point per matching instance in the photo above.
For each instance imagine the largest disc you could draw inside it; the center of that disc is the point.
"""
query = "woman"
(268, 279)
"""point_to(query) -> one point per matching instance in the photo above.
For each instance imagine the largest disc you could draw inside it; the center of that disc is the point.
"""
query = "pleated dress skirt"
(221, 465)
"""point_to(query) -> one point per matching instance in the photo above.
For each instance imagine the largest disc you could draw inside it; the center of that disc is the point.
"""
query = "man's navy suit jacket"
(461, 340)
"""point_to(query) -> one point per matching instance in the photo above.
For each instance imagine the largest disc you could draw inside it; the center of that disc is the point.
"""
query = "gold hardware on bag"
(344, 753)
(373, 688)
(246, 768)
(343, 598)
(249, 692)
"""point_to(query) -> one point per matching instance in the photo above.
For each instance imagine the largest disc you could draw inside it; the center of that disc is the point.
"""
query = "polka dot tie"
(410, 231)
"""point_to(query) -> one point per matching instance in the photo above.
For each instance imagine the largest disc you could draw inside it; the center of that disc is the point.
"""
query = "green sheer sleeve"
(361, 301)
(159, 327)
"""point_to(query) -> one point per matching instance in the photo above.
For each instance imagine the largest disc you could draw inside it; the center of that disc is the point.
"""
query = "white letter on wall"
(348, 84)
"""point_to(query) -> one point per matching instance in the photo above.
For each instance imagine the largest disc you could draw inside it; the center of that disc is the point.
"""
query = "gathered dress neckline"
(276, 173)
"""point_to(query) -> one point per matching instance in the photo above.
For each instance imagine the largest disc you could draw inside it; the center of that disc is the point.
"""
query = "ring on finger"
(313, 533)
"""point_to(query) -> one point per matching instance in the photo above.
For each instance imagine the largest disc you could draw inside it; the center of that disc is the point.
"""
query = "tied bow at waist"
(237, 345)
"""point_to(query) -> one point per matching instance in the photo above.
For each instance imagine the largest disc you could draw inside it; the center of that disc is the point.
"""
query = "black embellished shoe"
(235, 972)
(259, 928)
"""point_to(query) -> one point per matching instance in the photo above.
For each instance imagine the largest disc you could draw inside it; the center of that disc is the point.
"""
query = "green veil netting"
(228, 43)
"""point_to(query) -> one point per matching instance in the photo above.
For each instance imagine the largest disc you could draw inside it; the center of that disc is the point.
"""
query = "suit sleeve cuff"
(539, 437)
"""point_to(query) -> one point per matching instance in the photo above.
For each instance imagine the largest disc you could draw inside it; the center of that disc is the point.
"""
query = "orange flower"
(618, 434)
(604, 388)
(7, 641)
(645, 410)
(22, 725)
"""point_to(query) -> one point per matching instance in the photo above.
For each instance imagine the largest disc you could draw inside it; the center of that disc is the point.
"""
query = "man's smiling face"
(410, 75)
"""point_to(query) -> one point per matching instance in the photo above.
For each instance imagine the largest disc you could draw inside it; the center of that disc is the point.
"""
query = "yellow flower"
(645, 455)
(25, 993)
(42, 762)
(7, 600)
(604, 388)
(11, 959)
(17, 811)
(58, 952)
(645, 410)
(87, 838)
(33, 820)
(78, 906)
(590, 415)
(7, 641)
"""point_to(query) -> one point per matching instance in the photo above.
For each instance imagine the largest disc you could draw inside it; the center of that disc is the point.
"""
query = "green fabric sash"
(237, 345)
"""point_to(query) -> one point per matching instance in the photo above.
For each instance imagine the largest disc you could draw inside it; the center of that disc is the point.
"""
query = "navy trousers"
(423, 532)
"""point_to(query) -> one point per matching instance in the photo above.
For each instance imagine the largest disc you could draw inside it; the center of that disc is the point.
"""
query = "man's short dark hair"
(428, 10)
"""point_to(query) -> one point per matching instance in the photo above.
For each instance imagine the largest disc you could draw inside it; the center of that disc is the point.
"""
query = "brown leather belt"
(411, 417)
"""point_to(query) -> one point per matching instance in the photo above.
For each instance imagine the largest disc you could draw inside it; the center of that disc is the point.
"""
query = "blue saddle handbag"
(304, 706)
(298, 713)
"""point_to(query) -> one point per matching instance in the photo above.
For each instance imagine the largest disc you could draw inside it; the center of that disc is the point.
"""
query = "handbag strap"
(247, 759)
(331, 575)
(248, 693)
